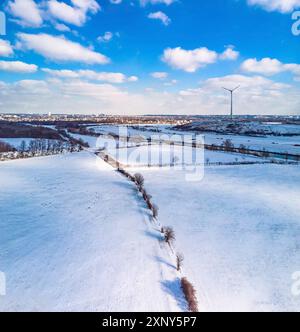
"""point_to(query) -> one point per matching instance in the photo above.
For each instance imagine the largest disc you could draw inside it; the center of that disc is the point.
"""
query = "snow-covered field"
(239, 231)
(162, 154)
(281, 144)
(166, 155)
(270, 143)
(74, 236)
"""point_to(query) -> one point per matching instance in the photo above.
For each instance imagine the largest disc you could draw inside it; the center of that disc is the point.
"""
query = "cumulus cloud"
(5, 48)
(156, 2)
(76, 14)
(269, 67)
(17, 67)
(189, 60)
(159, 75)
(229, 54)
(161, 17)
(282, 6)
(71, 96)
(116, 78)
(257, 95)
(107, 37)
(58, 48)
(27, 12)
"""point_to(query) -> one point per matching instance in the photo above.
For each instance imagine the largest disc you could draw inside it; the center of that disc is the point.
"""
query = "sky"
(131, 57)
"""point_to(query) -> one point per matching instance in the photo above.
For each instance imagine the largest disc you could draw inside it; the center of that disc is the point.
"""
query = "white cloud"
(117, 78)
(107, 37)
(5, 48)
(71, 96)
(61, 27)
(171, 83)
(283, 6)
(76, 14)
(159, 75)
(161, 17)
(230, 54)
(27, 12)
(258, 95)
(58, 48)
(157, 2)
(189, 60)
(17, 67)
(269, 67)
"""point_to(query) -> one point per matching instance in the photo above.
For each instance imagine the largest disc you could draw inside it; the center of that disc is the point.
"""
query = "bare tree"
(179, 261)
(190, 294)
(139, 179)
(228, 145)
(22, 148)
(169, 235)
(155, 211)
(242, 148)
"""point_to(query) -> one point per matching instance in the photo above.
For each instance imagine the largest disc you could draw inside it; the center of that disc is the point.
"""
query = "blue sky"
(149, 56)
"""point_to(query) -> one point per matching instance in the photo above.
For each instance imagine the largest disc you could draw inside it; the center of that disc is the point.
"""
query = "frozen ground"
(239, 231)
(281, 144)
(75, 237)
(165, 155)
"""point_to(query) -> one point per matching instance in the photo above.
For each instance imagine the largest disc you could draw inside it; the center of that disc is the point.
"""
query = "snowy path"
(74, 236)
(239, 231)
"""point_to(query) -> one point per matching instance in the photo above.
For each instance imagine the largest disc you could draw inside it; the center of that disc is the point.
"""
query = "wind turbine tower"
(231, 95)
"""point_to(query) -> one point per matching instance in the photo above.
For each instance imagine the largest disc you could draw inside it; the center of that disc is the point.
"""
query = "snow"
(16, 142)
(164, 155)
(239, 232)
(91, 140)
(270, 143)
(75, 236)
(281, 144)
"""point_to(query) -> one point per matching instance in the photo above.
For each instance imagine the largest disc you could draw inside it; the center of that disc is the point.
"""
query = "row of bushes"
(168, 233)
(187, 287)
(72, 139)
(169, 237)
(39, 148)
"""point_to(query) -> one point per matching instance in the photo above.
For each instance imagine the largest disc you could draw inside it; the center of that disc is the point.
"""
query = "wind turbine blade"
(227, 89)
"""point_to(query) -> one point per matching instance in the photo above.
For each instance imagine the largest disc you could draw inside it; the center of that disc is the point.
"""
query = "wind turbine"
(231, 94)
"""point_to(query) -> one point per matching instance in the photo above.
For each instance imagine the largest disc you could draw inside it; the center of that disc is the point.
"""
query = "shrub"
(145, 195)
(155, 211)
(169, 235)
(139, 179)
(228, 145)
(5, 147)
(179, 261)
(190, 295)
